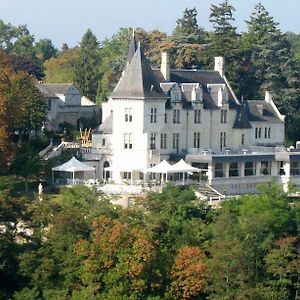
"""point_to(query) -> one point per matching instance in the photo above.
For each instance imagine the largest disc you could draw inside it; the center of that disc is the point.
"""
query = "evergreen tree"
(226, 42)
(260, 26)
(189, 41)
(87, 74)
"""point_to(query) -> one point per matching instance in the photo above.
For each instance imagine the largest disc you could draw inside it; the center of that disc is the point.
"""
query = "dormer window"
(176, 94)
(196, 94)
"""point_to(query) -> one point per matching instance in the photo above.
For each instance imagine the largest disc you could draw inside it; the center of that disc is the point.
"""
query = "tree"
(226, 42)
(5, 115)
(27, 164)
(283, 263)
(188, 277)
(87, 75)
(45, 50)
(61, 68)
(260, 26)
(190, 41)
(13, 215)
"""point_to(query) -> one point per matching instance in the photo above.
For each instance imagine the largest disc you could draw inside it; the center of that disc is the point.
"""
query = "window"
(280, 168)
(128, 115)
(166, 119)
(265, 168)
(127, 140)
(49, 105)
(152, 175)
(233, 169)
(126, 175)
(103, 142)
(163, 141)
(223, 116)
(152, 141)
(176, 116)
(219, 171)
(269, 132)
(259, 132)
(176, 140)
(196, 139)
(266, 132)
(243, 139)
(250, 168)
(295, 168)
(153, 115)
(197, 116)
(256, 132)
(222, 140)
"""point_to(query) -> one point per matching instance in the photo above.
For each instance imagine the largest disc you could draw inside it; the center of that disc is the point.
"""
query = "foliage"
(86, 69)
(60, 69)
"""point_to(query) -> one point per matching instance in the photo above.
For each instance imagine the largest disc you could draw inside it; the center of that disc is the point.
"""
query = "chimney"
(268, 97)
(165, 65)
(220, 65)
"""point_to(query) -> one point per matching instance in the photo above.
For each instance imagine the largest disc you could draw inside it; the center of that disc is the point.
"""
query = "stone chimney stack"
(165, 65)
(268, 97)
(220, 65)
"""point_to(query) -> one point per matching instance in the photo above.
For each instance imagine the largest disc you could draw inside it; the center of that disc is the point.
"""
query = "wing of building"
(170, 114)
(66, 105)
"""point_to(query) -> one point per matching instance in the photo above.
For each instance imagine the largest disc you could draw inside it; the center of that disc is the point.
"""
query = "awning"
(73, 165)
(183, 167)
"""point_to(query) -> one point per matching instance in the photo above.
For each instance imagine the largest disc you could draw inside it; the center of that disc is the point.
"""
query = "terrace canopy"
(72, 166)
(183, 167)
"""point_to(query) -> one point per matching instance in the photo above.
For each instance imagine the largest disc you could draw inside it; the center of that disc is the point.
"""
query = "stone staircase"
(207, 192)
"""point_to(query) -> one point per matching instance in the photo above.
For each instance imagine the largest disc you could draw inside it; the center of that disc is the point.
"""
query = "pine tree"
(87, 74)
(260, 26)
(189, 40)
(226, 42)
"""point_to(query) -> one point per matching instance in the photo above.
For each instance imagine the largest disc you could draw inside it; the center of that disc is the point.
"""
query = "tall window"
(49, 105)
(128, 115)
(153, 115)
(219, 170)
(259, 132)
(250, 168)
(269, 132)
(233, 169)
(223, 116)
(197, 116)
(256, 132)
(266, 132)
(152, 141)
(243, 139)
(176, 140)
(166, 118)
(163, 141)
(176, 116)
(196, 139)
(222, 140)
(127, 140)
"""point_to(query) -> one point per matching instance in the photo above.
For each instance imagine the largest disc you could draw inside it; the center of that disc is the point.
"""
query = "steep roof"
(268, 113)
(57, 88)
(204, 77)
(46, 92)
(132, 48)
(138, 80)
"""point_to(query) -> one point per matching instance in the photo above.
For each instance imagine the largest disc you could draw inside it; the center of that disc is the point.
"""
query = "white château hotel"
(172, 114)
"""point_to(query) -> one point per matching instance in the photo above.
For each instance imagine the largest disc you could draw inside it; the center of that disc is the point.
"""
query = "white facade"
(193, 115)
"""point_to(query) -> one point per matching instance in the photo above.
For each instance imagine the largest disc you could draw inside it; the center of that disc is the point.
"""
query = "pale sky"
(65, 21)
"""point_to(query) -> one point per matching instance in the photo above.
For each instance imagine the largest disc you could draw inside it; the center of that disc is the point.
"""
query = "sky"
(65, 21)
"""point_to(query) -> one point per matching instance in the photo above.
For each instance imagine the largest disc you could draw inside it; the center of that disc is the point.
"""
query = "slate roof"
(132, 48)
(57, 88)
(254, 115)
(138, 80)
(203, 77)
(46, 92)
